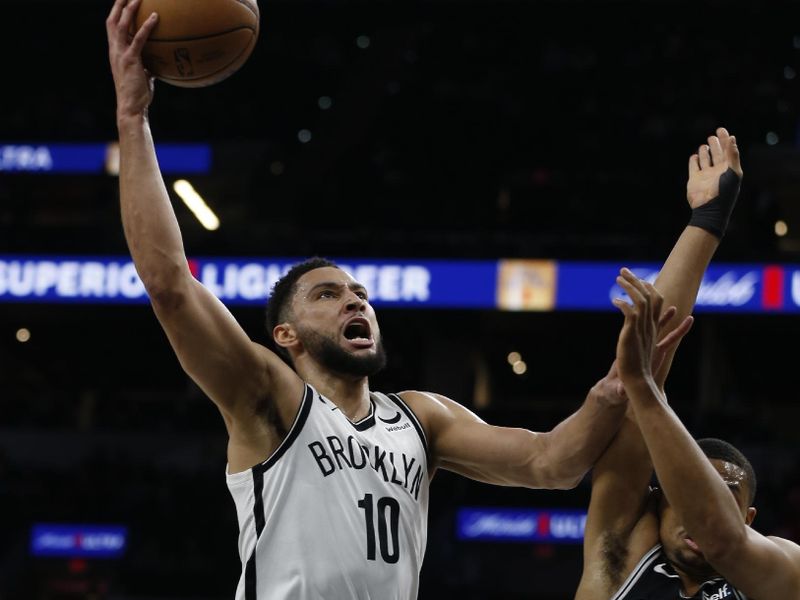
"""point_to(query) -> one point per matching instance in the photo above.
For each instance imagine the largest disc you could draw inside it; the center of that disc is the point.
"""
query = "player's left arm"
(759, 566)
(462, 442)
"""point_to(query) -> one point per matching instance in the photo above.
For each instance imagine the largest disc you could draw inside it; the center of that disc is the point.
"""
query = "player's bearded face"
(326, 351)
(683, 552)
(679, 551)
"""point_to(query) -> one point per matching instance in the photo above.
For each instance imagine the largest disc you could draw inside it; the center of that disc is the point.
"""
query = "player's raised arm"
(714, 511)
(236, 373)
(715, 175)
(619, 528)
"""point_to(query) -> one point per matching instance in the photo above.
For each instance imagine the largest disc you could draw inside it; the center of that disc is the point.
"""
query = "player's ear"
(284, 335)
(750, 516)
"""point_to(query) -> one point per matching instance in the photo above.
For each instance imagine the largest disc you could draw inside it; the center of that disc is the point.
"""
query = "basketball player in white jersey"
(330, 479)
(691, 538)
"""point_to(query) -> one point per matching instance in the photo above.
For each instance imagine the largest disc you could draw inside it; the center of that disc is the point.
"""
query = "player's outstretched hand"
(639, 353)
(133, 84)
(709, 164)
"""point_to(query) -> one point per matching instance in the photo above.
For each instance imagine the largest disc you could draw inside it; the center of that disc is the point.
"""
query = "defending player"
(707, 549)
(637, 546)
(330, 480)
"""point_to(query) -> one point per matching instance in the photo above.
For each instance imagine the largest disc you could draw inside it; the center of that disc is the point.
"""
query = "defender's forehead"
(733, 475)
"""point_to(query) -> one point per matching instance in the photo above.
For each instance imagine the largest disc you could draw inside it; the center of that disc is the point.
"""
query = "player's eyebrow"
(354, 286)
(357, 287)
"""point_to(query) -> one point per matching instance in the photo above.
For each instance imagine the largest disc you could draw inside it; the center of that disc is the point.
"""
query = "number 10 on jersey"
(387, 527)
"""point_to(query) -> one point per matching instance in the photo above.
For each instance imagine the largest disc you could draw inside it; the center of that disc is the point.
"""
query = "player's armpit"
(240, 376)
(761, 566)
(621, 525)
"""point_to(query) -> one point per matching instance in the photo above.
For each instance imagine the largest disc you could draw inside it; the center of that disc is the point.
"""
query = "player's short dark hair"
(280, 300)
(722, 450)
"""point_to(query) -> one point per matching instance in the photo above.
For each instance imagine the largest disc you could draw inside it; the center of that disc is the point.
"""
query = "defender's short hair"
(279, 303)
(722, 450)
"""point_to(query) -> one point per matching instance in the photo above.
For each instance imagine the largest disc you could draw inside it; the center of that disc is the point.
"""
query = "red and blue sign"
(78, 541)
(559, 526)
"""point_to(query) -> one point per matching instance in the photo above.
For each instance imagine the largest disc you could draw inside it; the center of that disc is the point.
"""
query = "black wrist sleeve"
(713, 216)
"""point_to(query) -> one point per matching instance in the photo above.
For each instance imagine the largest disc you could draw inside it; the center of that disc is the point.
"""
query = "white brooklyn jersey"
(340, 509)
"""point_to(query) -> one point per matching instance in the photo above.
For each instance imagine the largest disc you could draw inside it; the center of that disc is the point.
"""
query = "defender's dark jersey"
(655, 579)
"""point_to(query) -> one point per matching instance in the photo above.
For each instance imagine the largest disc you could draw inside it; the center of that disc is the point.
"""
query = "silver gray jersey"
(340, 508)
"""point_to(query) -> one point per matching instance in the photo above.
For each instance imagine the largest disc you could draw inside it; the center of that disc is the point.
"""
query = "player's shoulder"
(426, 404)
(792, 549)
(785, 559)
(430, 408)
(422, 396)
(437, 411)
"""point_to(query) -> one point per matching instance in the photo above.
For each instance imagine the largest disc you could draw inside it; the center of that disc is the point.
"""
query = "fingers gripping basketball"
(198, 43)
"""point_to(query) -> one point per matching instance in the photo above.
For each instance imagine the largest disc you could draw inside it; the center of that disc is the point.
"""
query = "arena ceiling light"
(196, 204)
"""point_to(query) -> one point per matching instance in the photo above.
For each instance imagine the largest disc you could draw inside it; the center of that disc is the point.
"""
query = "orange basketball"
(198, 42)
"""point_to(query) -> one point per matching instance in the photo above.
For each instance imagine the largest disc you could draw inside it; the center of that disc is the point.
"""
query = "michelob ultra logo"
(25, 158)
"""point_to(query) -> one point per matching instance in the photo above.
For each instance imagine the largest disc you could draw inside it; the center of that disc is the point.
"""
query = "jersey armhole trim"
(413, 418)
(644, 564)
(294, 431)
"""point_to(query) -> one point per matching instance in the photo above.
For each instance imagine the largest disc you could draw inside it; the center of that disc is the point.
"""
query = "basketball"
(198, 43)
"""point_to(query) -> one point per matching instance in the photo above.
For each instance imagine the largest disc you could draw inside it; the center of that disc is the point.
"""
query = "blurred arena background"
(392, 133)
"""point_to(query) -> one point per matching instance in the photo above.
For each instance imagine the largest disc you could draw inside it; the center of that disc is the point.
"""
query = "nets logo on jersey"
(333, 455)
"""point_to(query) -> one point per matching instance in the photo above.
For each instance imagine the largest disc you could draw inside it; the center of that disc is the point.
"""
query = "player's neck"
(350, 394)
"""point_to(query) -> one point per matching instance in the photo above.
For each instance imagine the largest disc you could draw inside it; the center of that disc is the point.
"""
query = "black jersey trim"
(363, 424)
(645, 563)
(250, 592)
(368, 421)
(297, 426)
(413, 418)
(250, 587)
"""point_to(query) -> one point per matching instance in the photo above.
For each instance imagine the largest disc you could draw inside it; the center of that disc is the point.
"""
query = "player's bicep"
(212, 347)
(463, 443)
(620, 481)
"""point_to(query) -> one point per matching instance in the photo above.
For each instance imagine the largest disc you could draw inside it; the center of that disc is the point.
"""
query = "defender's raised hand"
(715, 174)
(639, 353)
(132, 82)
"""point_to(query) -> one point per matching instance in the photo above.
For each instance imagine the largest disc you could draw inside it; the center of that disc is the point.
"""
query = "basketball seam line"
(202, 37)
(248, 7)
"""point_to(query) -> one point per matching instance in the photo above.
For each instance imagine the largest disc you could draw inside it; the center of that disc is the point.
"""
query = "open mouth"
(358, 332)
